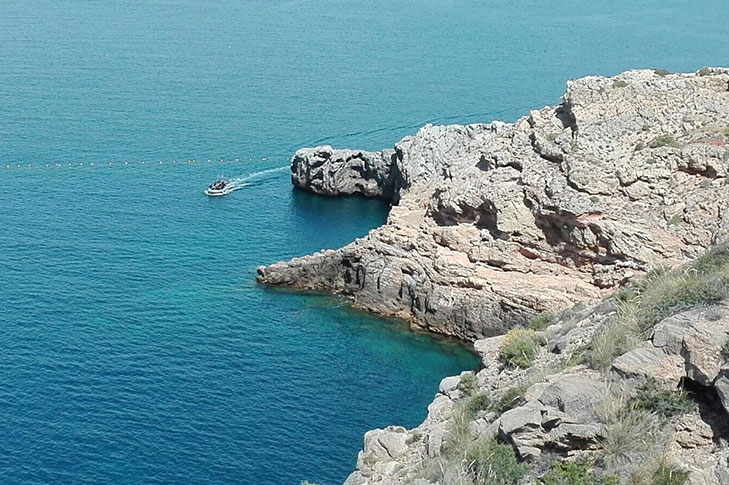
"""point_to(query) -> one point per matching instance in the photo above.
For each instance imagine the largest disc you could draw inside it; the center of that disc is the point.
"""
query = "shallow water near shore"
(136, 346)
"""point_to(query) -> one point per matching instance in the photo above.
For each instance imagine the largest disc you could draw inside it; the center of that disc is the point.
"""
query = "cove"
(136, 347)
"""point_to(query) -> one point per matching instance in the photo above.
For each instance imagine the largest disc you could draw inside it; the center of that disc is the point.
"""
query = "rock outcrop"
(493, 223)
(567, 412)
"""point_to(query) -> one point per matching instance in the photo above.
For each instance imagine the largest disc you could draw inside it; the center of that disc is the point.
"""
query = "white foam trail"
(255, 175)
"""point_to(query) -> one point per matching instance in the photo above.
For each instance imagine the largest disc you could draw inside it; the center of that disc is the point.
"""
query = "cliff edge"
(494, 223)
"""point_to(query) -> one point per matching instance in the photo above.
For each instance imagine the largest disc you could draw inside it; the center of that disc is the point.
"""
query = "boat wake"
(257, 175)
(224, 186)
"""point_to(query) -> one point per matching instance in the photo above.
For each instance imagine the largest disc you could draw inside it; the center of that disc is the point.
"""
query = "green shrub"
(665, 141)
(493, 463)
(631, 438)
(661, 72)
(511, 398)
(472, 460)
(714, 260)
(726, 133)
(478, 402)
(625, 294)
(520, 347)
(468, 383)
(676, 219)
(627, 438)
(459, 436)
(619, 84)
(575, 474)
(668, 474)
(705, 71)
(665, 403)
(616, 338)
(543, 320)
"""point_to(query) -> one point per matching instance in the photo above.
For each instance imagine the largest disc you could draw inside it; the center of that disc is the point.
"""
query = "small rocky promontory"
(494, 223)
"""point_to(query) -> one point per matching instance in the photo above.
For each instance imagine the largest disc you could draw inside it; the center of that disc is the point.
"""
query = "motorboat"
(222, 186)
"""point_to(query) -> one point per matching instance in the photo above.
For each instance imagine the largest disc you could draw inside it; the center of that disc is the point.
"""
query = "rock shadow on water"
(389, 328)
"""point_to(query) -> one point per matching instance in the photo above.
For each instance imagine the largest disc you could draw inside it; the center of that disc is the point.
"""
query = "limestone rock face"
(326, 171)
(561, 418)
(561, 407)
(492, 223)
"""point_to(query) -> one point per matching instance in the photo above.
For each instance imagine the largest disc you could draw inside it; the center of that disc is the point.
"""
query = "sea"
(135, 344)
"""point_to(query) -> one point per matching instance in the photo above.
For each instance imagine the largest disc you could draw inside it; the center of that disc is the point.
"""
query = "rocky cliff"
(494, 223)
(655, 414)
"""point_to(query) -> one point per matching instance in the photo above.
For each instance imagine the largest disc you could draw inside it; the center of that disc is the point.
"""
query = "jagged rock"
(702, 347)
(563, 419)
(434, 440)
(326, 171)
(495, 222)
(696, 339)
(522, 427)
(651, 363)
(721, 384)
(558, 411)
(575, 395)
(385, 444)
(449, 384)
(692, 432)
(706, 465)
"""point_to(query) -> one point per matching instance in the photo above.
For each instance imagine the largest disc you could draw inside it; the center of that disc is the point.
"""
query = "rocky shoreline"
(494, 224)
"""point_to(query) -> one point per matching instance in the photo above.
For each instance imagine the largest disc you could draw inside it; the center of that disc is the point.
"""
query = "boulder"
(650, 363)
(575, 396)
(386, 444)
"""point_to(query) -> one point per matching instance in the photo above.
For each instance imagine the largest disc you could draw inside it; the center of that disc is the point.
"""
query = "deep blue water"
(135, 345)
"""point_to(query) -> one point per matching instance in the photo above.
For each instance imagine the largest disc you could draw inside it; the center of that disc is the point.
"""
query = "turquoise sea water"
(135, 345)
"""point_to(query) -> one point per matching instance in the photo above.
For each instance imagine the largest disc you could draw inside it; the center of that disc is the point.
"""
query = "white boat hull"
(218, 192)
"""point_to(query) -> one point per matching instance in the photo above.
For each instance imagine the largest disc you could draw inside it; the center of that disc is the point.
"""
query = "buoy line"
(127, 163)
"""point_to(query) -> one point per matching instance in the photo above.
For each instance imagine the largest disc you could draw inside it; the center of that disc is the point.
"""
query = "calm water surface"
(135, 345)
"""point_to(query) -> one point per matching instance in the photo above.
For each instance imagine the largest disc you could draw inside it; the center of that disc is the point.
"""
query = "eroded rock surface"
(562, 406)
(492, 223)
